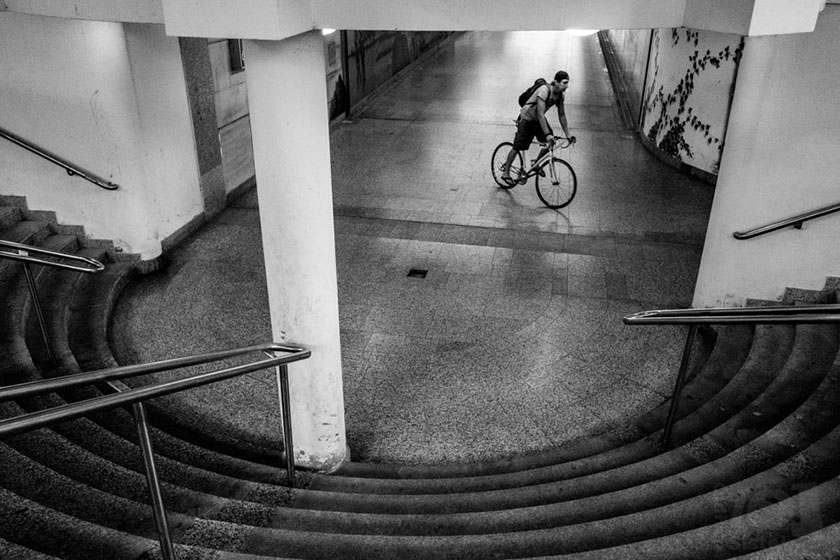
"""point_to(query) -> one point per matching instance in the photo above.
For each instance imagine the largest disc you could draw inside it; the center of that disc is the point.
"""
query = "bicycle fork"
(552, 171)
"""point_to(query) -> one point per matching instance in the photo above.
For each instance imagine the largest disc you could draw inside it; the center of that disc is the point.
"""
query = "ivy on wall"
(671, 111)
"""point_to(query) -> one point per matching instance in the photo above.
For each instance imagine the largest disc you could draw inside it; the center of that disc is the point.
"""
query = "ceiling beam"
(278, 19)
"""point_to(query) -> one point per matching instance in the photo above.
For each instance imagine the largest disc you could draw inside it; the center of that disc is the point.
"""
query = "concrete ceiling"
(277, 19)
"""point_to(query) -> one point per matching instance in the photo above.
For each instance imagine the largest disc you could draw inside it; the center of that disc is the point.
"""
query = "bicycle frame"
(556, 186)
(537, 163)
(547, 156)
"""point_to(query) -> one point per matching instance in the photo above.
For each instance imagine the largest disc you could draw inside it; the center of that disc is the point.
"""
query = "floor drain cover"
(417, 273)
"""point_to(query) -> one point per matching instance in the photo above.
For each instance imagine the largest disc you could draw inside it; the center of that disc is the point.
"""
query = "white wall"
(110, 98)
(687, 94)
(782, 157)
(631, 47)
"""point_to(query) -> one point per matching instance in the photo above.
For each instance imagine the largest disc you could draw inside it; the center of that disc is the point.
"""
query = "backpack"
(526, 95)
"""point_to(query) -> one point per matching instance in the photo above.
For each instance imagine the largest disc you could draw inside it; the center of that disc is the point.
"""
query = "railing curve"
(136, 398)
(30, 254)
(71, 168)
(771, 315)
(795, 221)
(25, 252)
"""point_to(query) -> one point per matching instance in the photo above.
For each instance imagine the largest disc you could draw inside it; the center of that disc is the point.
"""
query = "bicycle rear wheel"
(556, 188)
(497, 165)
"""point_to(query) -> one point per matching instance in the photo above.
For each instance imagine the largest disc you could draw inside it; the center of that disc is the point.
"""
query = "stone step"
(27, 232)
(821, 544)
(528, 519)
(9, 217)
(30, 526)
(12, 551)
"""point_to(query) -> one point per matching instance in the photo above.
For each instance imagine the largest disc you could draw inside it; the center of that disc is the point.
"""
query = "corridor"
(475, 322)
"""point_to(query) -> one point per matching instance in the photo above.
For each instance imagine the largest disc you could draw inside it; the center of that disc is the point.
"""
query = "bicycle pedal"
(542, 173)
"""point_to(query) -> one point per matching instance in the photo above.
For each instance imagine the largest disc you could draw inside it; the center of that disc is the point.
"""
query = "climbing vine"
(670, 109)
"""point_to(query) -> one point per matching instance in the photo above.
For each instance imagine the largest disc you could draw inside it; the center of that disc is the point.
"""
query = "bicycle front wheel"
(556, 183)
(497, 165)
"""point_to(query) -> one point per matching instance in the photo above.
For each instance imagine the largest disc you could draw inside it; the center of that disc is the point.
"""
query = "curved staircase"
(753, 472)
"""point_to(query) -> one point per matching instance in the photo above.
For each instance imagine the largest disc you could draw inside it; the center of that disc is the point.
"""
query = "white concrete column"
(290, 130)
(781, 159)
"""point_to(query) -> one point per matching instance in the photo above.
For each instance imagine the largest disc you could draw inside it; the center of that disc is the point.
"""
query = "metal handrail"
(770, 315)
(825, 313)
(24, 253)
(71, 168)
(137, 396)
(795, 221)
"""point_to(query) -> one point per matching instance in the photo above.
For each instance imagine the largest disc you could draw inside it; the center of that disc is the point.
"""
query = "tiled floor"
(513, 341)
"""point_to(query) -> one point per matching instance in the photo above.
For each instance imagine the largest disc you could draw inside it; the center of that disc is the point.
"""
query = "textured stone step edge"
(443, 519)
(691, 457)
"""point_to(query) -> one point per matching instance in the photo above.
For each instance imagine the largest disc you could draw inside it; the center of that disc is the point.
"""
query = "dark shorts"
(526, 131)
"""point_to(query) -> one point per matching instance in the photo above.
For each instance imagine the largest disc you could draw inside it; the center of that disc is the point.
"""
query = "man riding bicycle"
(532, 121)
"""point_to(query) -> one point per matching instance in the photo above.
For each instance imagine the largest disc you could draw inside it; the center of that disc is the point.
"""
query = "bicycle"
(560, 184)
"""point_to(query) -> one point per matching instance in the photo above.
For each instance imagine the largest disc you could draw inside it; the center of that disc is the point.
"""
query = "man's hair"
(561, 75)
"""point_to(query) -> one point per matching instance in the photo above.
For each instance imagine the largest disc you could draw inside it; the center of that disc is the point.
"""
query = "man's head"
(561, 81)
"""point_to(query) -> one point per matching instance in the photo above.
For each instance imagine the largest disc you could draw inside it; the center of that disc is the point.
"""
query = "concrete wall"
(233, 121)
(687, 95)
(630, 48)
(677, 85)
(375, 56)
(202, 98)
(111, 98)
(782, 157)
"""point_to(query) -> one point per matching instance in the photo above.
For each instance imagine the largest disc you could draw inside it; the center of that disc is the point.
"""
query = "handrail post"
(166, 548)
(285, 408)
(36, 303)
(678, 385)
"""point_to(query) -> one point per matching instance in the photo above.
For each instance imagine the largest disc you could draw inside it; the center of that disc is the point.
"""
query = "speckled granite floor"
(513, 341)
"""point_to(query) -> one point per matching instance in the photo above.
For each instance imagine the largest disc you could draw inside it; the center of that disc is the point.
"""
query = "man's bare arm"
(561, 116)
(541, 115)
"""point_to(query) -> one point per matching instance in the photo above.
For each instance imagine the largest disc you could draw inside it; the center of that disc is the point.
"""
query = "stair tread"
(528, 516)
(818, 545)
(9, 216)
(42, 529)
(13, 551)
